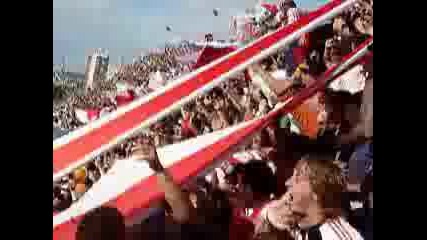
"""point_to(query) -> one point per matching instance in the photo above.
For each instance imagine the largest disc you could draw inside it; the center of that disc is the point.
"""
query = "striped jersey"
(333, 229)
(292, 15)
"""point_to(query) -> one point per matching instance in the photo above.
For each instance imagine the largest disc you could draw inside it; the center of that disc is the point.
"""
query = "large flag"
(131, 185)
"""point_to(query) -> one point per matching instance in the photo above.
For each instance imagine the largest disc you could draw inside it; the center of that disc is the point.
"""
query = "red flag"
(125, 97)
(210, 53)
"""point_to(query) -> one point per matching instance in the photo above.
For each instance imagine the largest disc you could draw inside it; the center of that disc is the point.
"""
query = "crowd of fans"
(137, 74)
(229, 104)
(226, 105)
(311, 183)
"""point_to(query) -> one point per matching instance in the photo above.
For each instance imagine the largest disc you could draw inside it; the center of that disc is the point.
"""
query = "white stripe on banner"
(126, 173)
(80, 146)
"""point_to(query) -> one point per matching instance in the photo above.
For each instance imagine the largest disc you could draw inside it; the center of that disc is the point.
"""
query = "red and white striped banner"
(135, 185)
(80, 146)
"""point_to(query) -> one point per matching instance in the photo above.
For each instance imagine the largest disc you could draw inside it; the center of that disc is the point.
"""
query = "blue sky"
(125, 27)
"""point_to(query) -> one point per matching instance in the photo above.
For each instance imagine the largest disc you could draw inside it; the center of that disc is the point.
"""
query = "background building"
(96, 68)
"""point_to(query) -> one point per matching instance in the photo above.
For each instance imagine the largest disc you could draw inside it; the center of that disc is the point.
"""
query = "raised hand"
(146, 151)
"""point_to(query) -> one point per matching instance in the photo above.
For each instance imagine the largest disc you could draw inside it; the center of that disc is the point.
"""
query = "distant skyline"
(125, 27)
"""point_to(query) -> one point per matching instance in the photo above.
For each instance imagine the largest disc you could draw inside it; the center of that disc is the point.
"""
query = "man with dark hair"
(61, 198)
(104, 223)
(209, 37)
(246, 178)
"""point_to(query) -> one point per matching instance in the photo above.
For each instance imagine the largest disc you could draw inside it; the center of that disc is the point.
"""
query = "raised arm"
(182, 210)
(269, 86)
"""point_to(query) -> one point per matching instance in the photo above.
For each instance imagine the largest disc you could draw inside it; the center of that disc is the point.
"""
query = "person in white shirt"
(316, 187)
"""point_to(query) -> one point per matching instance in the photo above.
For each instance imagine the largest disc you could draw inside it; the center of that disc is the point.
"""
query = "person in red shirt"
(187, 129)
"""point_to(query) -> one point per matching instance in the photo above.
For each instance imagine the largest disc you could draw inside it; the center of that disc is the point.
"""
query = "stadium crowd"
(136, 74)
(307, 176)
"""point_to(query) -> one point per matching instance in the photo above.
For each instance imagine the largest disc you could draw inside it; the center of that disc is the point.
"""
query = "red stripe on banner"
(147, 191)
(78, 148)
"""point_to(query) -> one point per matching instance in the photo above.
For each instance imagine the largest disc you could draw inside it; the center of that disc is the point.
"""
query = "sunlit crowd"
(308, 175)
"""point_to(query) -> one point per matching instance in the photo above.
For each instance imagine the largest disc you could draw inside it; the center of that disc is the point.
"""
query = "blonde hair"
(326, 180)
